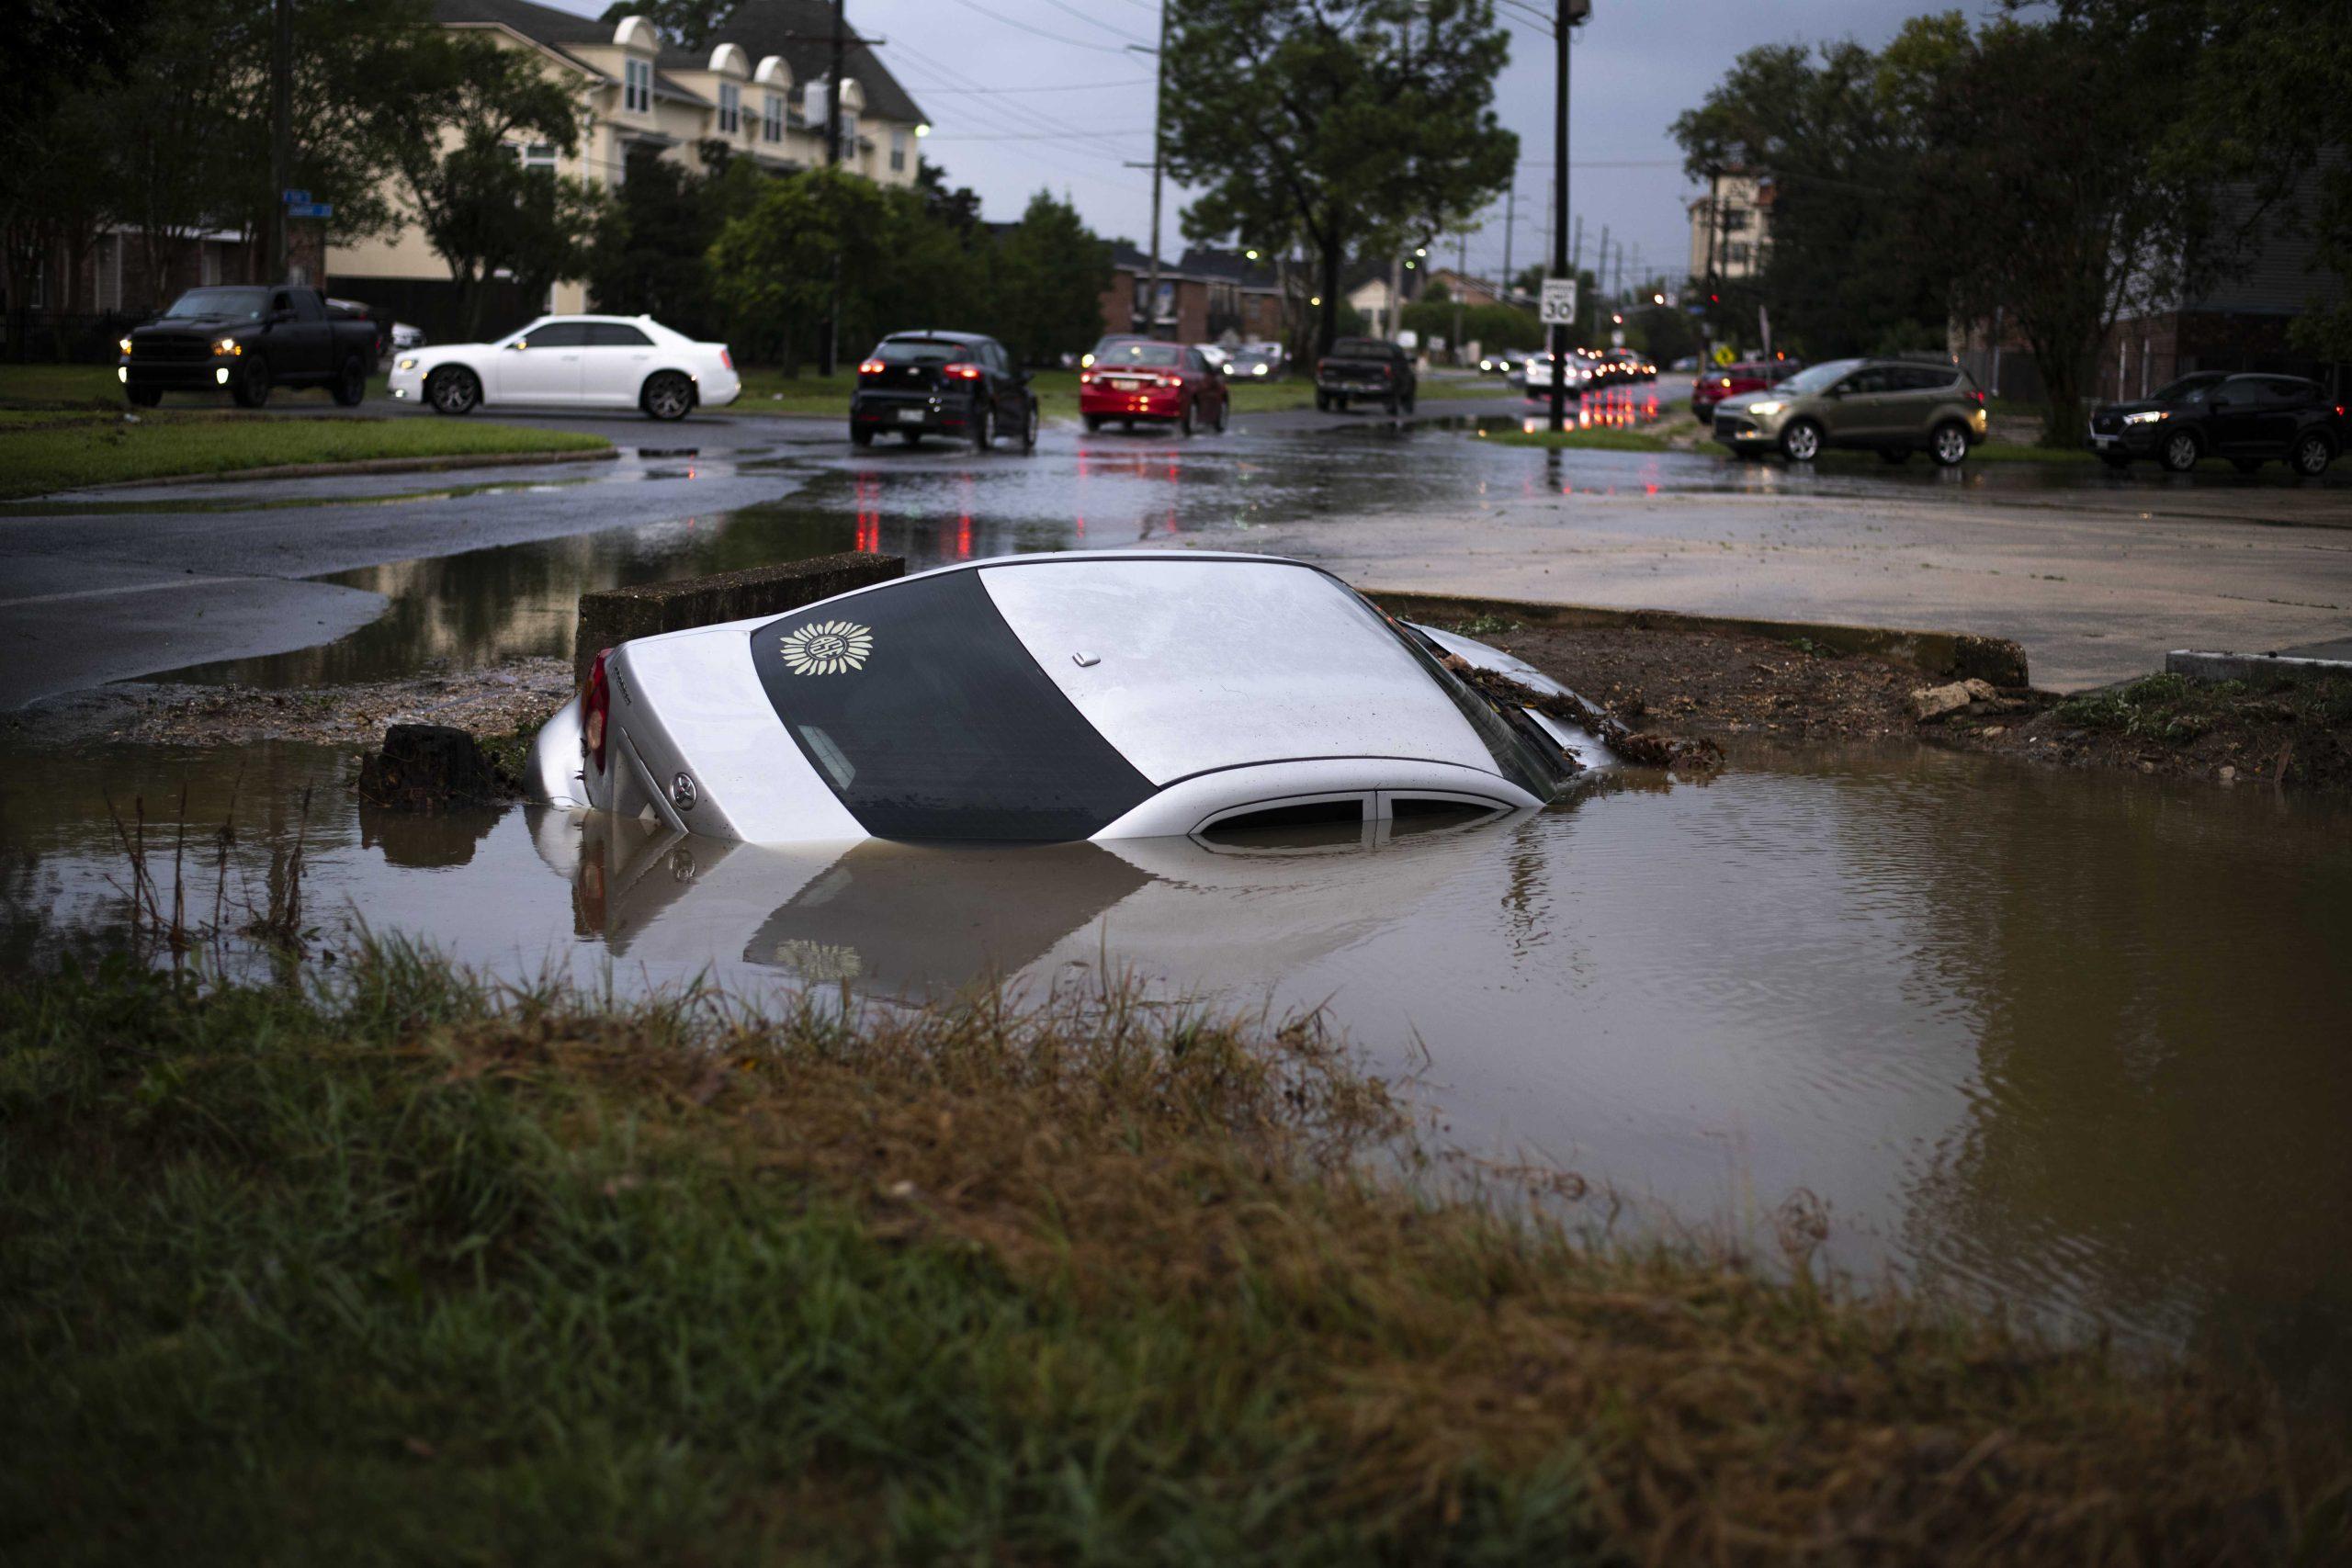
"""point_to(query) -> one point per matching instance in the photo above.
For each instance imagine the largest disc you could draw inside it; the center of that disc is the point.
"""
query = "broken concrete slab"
(427, 767)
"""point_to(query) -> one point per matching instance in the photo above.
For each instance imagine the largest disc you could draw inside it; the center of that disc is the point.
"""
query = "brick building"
(1205, 295)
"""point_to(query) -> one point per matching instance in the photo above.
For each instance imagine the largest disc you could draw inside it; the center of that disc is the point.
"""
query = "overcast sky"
(1030, 93)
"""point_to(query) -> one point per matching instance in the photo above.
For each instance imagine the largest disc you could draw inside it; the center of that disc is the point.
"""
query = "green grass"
(400, 1268)
(2175, 710)
(42, 451)
(1598, 439)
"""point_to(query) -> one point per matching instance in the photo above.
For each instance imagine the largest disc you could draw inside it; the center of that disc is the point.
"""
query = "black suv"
(933, 383)
(2247, 419)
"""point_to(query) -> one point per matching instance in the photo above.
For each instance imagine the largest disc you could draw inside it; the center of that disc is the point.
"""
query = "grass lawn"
(1598, 439)
(395, 1266)
(1994, 451)
(42, 451)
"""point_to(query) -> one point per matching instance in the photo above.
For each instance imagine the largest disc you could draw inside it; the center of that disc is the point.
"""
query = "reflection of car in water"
(1053, 698)
(910, 922)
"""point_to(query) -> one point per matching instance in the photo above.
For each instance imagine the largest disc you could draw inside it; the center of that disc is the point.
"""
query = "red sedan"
(1735, 381)
(1168, 383)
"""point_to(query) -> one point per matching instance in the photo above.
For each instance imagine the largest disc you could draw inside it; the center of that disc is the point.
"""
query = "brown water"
(2079, 1045)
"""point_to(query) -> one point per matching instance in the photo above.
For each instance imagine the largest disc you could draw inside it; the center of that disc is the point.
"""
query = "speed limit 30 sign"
(1558, 308)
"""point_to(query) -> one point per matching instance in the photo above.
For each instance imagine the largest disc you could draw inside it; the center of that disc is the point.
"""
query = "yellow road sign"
(1722, 354)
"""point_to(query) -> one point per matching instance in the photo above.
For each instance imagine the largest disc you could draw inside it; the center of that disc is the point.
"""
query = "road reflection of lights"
(869, 516)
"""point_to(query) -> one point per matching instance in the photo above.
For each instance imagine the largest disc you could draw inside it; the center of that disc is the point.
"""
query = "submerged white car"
(1054, 698)
(616, 362)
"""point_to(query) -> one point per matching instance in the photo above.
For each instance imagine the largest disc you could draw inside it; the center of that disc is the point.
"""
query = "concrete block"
(613, 615)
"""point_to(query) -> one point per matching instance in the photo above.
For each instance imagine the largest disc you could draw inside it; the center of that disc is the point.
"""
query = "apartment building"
(1731, 225)
(761, 90)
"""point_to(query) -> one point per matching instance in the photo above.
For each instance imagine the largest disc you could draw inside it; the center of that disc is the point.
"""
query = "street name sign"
(1558, 307)
(310, 210)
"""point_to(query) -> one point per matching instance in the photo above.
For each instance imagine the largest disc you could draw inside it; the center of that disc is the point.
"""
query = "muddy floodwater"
(2081, 1046)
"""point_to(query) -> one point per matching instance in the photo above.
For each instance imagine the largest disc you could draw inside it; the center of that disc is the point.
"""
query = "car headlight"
(409, 363)
(124, 344)
(1257, 370)
(227, 346)
(1770, 406)
(2150, 417)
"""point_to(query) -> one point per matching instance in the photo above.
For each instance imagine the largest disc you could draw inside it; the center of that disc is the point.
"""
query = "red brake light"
(871, 367)
(965, 372)
(726, 358)
(596, 707)
(1976, 397)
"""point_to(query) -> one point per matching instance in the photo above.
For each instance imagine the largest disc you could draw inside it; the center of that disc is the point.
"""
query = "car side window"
(1193, 360)
(613, 334)
(999, 359)
(1862, 383)
(281, 302)
(1926, 379)
(2285, 391)
(561, 334)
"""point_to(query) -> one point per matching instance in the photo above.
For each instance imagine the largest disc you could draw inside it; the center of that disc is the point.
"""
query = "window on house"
(897, 151)
(731, 109)
(772, 119)
(1736, 253)
(849, 131)
(535, 155)
(636, 87)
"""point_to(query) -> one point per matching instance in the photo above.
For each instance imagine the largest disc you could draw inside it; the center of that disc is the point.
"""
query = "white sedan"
(1057, 697)
(616, 362)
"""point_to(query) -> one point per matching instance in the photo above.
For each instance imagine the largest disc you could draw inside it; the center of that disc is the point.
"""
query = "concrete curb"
(357, 465)
(1955, 656)
(2200, 666)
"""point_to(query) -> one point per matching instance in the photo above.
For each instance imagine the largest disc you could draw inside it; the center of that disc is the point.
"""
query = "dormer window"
(636, 87)
(772, 119)
(731, 109)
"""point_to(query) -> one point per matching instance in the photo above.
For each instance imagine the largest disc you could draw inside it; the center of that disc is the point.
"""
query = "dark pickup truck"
(247, 338)
(1366, 370)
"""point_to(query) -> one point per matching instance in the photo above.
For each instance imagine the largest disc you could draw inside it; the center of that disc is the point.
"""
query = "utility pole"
(281, 132)
(1570, 11)
(1511, 221)
(1461, 275)
(1159, 161)
(829, 347)
(1576, 250)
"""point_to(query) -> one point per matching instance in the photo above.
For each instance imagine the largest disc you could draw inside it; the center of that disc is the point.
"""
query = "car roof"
(937, 336)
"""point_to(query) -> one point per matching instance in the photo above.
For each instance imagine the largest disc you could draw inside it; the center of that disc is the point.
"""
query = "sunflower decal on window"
(827, 648)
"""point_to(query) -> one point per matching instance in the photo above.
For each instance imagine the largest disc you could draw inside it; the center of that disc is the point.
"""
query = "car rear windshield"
(924, 714)
(920, 350)
(1360, 348)
(1118, 353)
(235, 304)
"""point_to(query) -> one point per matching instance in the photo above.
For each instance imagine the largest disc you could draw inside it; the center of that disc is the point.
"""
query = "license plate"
(1124, 386)
(2102, 440)
(911, 416)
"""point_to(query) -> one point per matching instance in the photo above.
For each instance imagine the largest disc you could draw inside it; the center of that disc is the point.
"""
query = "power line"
(1055, 88)
(1064, 6)
(1030, 135)
(1054, 38)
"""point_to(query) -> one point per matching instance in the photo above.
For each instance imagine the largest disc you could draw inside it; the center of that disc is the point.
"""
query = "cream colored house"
(1730, 226)
(761, 89)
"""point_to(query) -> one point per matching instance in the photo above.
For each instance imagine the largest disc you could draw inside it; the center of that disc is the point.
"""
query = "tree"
(481, 209)
(1049, 273)
(2268, 106)
(1355, 128)
(773, 265)
(689, 24)
(1837, 131)
(2046, 189)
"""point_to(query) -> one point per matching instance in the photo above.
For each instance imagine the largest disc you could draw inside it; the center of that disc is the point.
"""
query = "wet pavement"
(293, 581)
(2069, 1044)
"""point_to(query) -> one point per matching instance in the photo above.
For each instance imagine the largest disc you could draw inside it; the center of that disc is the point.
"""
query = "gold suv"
(1894, 407)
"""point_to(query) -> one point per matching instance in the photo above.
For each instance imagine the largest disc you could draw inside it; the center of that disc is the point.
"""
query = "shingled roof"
(800, 31)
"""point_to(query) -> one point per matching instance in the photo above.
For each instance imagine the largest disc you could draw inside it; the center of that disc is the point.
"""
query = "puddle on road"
(2072, 1044)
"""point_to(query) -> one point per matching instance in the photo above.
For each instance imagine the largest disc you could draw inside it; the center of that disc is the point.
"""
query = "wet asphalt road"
(296, 582)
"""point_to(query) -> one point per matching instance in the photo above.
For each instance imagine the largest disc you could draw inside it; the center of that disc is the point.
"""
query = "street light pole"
(829, 347)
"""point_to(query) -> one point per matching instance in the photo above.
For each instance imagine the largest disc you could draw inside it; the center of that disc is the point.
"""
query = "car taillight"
(965, 372)
(726, 358)
(1976, 397)
(871, 367)
(595, 709)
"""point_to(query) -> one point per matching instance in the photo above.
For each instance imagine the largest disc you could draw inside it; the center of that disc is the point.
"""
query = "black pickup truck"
(247, 338)
(1366, 370)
